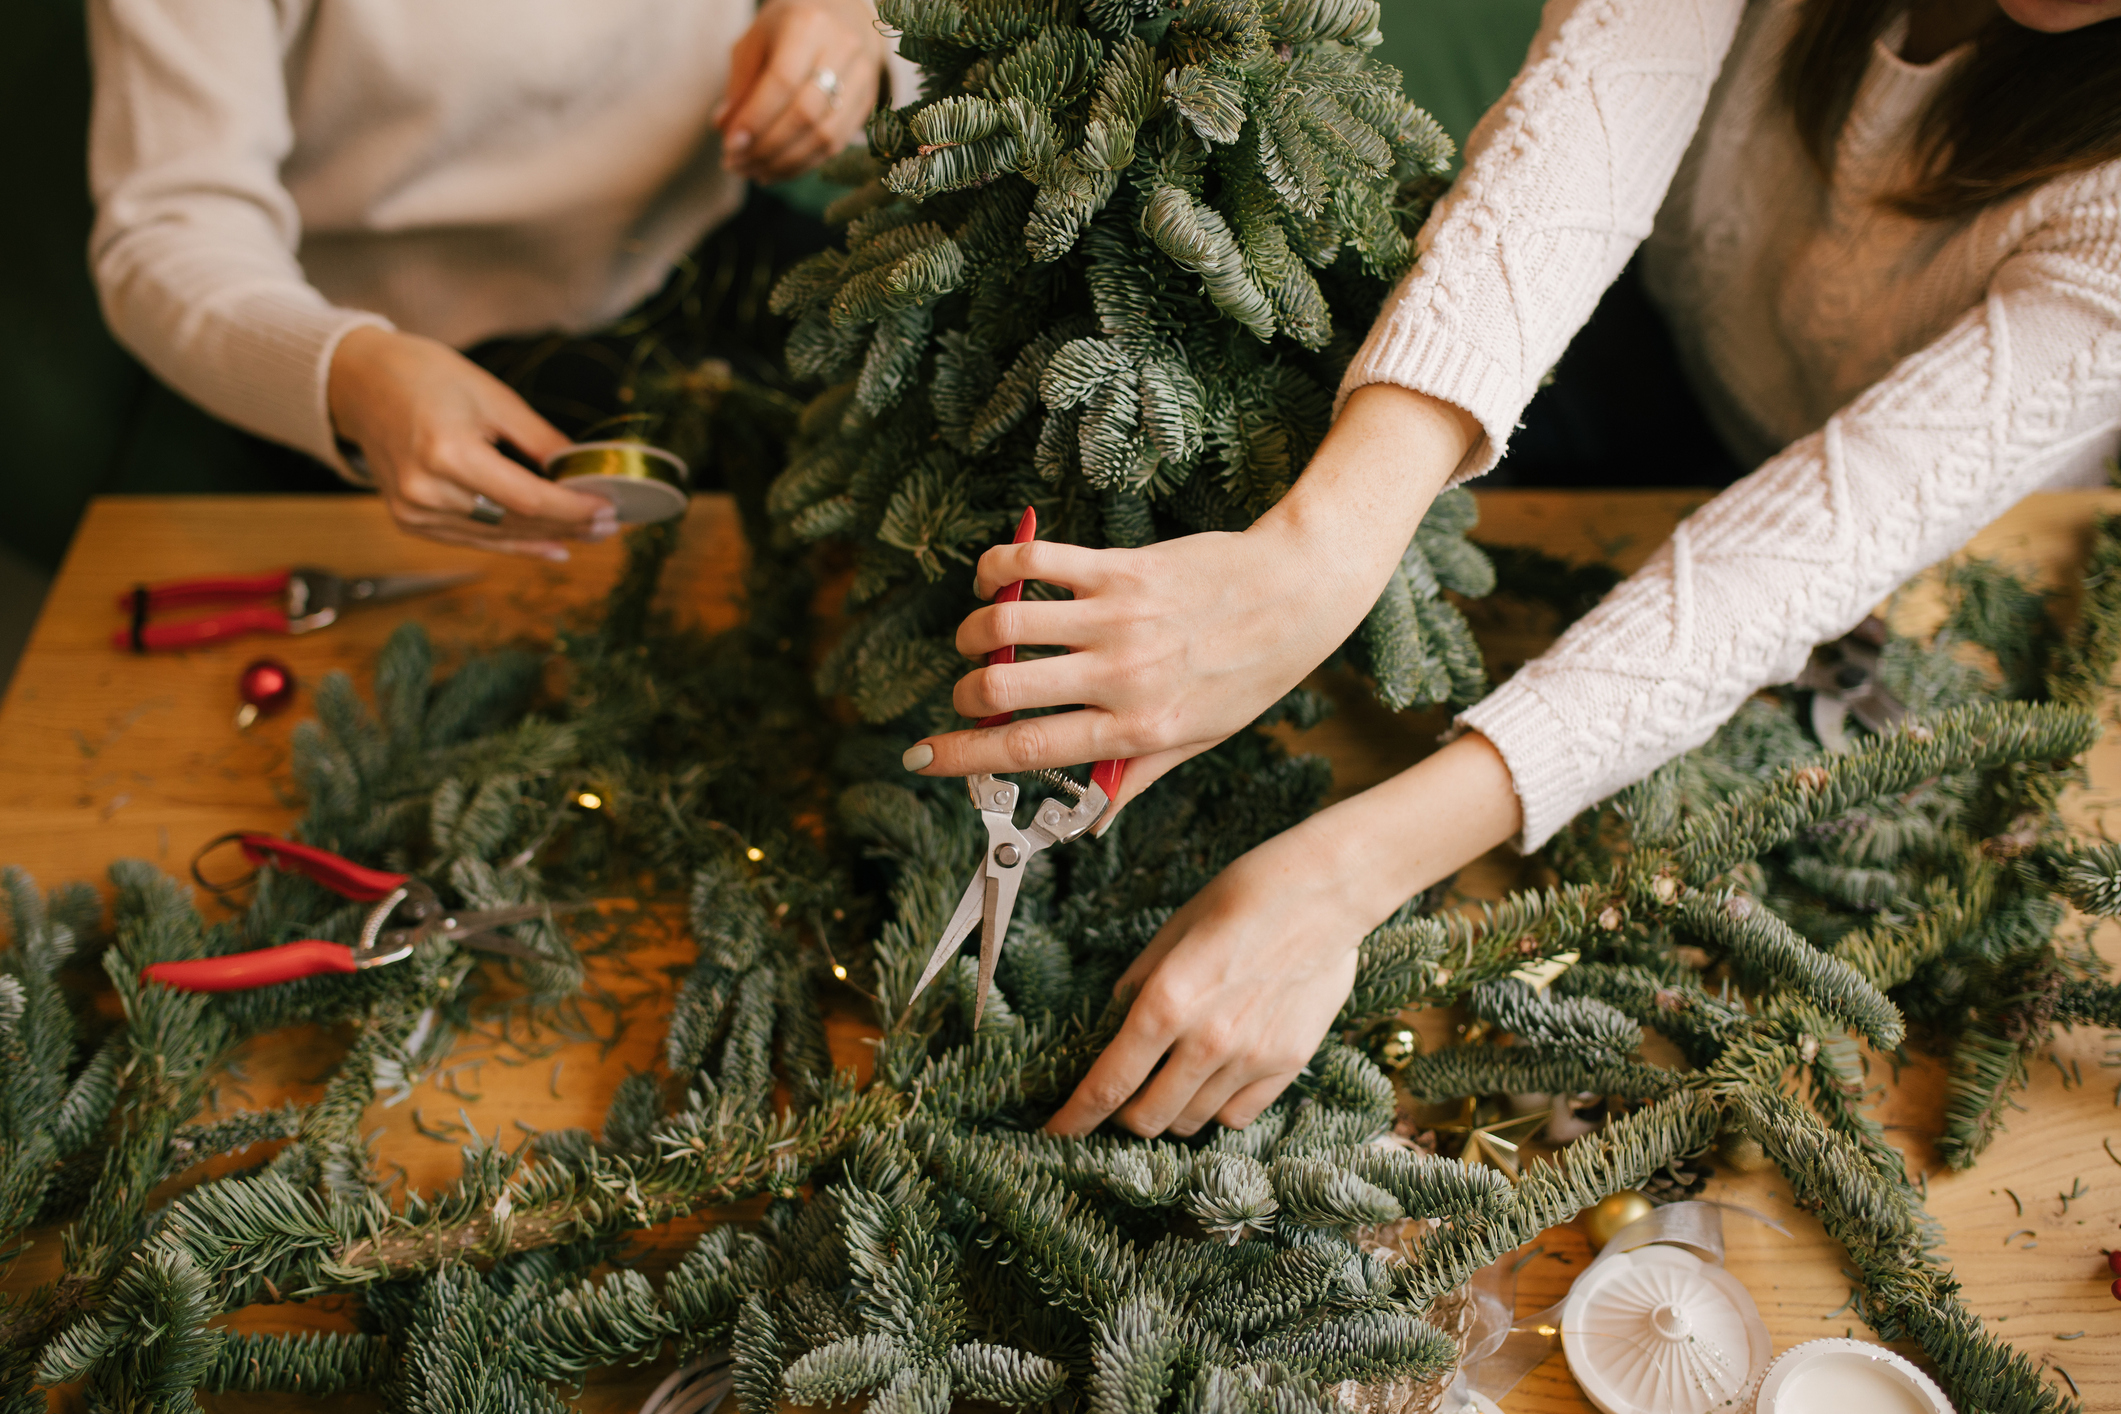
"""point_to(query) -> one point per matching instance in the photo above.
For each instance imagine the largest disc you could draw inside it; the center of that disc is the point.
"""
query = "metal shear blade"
(990, 899)
(471, 927)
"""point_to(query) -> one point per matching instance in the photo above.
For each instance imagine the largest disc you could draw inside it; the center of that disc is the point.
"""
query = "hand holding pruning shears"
(1172, 647)
(990, 899)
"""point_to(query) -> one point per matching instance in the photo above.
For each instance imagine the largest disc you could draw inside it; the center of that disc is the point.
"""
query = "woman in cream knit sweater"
(304, 208)
(1887, 238)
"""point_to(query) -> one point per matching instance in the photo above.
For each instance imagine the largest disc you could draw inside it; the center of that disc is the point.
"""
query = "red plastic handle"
(1105, 775)
(335, 872)
(1026, 532)
(197, 633)
(238, 972)
(195, 591)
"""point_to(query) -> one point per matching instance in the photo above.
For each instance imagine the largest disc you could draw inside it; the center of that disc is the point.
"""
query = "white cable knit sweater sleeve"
(194, 244)
(1798, 552)
(1562, 180)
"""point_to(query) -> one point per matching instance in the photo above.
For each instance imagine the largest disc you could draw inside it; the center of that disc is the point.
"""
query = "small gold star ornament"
(1492, 1141)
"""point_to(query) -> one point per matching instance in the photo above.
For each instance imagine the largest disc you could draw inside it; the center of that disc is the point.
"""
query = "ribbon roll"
(643, 483)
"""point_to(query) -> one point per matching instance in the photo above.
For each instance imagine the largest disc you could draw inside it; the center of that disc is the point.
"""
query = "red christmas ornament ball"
(266, 686)
(2116, 1288)
(2113, 1264)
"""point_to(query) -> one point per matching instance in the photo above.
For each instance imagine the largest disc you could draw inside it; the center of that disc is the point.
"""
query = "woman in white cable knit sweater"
(1887, 237)
(304, 208)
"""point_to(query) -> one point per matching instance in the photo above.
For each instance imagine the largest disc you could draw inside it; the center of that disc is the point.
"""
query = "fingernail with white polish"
(604, 524)
(918, 756)
(737, 141)
(557, 554)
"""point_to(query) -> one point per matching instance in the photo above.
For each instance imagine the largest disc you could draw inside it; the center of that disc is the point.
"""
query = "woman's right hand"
(1175, 646)
(427, 419)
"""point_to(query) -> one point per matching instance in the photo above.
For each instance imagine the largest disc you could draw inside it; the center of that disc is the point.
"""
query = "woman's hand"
(1177, 645)
(426, 419)
(1238, 988)
(802, 82)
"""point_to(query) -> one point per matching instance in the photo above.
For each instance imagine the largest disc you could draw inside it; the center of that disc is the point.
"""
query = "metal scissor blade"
(474, 928)
(998, 902)
(969, 912)
(500, 943)
(476, 920)
(382, 588)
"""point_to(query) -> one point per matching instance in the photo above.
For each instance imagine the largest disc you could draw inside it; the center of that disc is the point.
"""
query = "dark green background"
(79, 417)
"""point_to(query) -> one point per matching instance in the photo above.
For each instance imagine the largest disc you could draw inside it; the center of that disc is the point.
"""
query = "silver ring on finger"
(487, 511)
(828, 83)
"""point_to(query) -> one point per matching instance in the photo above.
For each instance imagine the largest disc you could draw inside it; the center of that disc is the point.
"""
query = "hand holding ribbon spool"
(644, 484)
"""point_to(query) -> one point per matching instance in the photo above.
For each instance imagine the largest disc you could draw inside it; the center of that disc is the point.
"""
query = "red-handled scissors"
(399, 900)
(302, 599)
(990, 898)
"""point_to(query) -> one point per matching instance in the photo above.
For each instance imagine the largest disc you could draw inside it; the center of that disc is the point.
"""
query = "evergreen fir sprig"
(1093, 266)
(48, 1111)
(1523, 1070)
(2089, 1004)
(701, 1161)
(1758, 942)
(308, 1363)
(1979, 737)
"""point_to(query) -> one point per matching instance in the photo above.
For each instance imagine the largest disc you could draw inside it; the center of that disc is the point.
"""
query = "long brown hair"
(2024, 106)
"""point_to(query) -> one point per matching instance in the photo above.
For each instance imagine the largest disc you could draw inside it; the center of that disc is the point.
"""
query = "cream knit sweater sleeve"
(1798, 552)
(1562, 180)
(195, 237)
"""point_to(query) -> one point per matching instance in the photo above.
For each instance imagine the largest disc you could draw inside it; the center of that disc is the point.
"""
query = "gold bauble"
(1606, 1217)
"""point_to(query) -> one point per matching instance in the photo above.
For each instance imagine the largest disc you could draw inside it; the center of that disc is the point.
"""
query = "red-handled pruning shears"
(990, 898)
(399, 899)
(306, 599)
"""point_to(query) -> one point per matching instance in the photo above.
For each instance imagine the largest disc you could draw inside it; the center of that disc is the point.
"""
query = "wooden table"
(104, 756)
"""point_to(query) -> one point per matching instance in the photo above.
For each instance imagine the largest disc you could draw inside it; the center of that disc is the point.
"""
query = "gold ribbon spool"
(643, 483)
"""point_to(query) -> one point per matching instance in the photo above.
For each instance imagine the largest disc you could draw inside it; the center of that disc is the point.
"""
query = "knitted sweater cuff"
(1537, 745)
(1427, 356)
(276, 351)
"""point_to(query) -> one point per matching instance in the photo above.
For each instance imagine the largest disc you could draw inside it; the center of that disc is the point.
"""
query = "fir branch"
(703, 1162)
(1518, 1070)
(1979, 737)
(2089, 1004)
(1756, 939)
(312, 1363)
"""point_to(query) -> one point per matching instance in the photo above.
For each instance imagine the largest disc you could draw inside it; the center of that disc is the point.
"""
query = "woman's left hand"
(802, 82)
(1237, 989)
(1232, 996)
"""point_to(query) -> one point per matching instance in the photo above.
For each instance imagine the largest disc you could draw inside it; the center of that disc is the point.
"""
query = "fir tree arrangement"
(1111, 262)
(924, 1242)
(1095, 266)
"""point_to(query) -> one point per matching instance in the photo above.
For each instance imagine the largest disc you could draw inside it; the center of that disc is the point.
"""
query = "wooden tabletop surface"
(105, 756)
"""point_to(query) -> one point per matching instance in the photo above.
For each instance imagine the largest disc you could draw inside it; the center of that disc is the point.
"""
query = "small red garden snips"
(407, 913)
